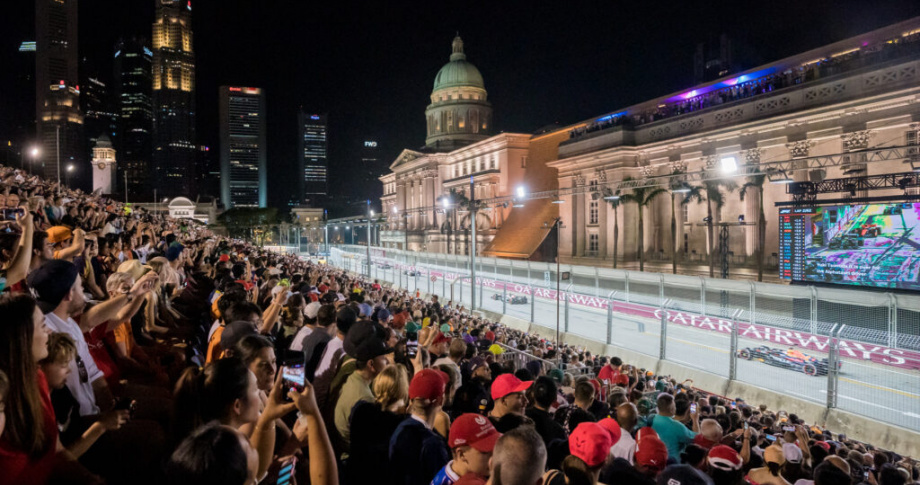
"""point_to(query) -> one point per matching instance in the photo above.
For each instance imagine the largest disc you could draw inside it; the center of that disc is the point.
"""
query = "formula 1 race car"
(512, 299)
(412, 272)
(789, 359)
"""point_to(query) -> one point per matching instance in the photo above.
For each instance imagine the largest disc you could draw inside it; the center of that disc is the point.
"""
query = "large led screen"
(874, 245)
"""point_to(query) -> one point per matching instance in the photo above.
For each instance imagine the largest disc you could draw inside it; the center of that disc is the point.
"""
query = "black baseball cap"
(52, 282)
(366, 340)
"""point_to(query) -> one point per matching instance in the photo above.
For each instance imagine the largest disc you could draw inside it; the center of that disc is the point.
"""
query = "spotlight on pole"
(729, 165)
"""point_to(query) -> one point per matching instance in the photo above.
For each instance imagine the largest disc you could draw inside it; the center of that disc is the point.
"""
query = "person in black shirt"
(474, 396)
(544, 395)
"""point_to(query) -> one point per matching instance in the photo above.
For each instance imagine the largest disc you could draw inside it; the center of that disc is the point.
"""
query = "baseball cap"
(556, 375)
(824, 444)
(591, 442)
(477, 362)
(473, 430)
(496, 349)
(366, 310)
(173, 252)
(651, 452)
(58, 234)
(312, 310)
(490, 336)
(724, 458)
(441, 338)
(366, 340)
(683, 475)
(792, 453)
(224, 258)
(612, 427)
(52, 281)
(774, 454)
(428, 384)
(507, 384)
(383, 315)
(411, 326)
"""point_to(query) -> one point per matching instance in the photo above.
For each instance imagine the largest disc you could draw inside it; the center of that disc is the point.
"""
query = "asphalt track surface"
(873, 390)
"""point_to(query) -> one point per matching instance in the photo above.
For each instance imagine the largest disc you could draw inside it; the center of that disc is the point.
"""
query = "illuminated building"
(134, 106)
(820, 115)
(424, 188)
(459, 113)
(243, 171)
(371, 168)
(57, 90)
(173, 98)
(99, 118)
(312, 154)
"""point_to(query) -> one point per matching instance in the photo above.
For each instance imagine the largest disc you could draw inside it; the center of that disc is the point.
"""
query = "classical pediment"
(405, 157)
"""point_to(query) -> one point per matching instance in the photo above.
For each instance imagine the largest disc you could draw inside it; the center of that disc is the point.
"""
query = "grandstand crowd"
(135, 348)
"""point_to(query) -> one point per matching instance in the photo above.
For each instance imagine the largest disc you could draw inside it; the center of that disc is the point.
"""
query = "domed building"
(459, 113)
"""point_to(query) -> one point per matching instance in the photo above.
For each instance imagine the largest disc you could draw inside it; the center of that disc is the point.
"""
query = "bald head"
(627, 415)
(711, 430)
(519, 457)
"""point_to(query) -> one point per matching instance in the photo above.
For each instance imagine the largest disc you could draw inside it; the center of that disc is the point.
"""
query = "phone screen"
(733, 404)
(788, 428)
(412, 344)
(770, 437)
(293, 376)
(693, 407)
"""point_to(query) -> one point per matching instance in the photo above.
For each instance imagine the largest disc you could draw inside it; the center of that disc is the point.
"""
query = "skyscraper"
(243, 174)
(371, 169)
(313, 166)
(173, 98)
(134, 106)
(57, 93)
(99, 118)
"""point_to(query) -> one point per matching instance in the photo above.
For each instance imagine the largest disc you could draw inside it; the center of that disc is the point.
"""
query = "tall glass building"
(313, 169)
(134, 107)
(173, 99)
(243, 175)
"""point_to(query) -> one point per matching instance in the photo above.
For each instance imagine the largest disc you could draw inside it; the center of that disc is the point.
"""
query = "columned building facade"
(822, 111)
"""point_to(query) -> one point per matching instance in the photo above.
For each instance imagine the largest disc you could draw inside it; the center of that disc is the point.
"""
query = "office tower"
(134, 106)
(371, 168)
(57, 93)
(243, 174)
(173, 99)
(313, 149)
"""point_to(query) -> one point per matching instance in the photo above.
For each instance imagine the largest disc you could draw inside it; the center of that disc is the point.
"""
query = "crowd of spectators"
(793, 76)
(139, 349)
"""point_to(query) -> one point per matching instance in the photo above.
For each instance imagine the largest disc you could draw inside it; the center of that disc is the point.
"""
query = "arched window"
(474, 120)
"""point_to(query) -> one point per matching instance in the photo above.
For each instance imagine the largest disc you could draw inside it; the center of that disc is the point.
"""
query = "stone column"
(580, 214)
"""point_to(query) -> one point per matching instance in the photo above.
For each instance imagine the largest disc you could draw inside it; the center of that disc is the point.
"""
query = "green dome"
(459, 71)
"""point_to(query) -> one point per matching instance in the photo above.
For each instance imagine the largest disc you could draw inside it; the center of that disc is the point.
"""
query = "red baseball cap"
(224, 258)
(428, 384)
(591, 442)
(490, 336)
(650, 450)
(507, 384)
(612, 427)
(441, 338)
(724, 458)
(473, 430)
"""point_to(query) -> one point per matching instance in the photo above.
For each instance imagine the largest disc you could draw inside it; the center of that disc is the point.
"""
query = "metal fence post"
(892, 321)
(597, 282)
(533, 298)
(505, 299)
(832, 369)
(702, 295)
(661, 290)
(733, 353)
(663, 348)
(460, 299)
(481, 284)
(627, 286)
(609, 321)
(429, 281)
(565, 295)
(753, 315)
(814, 311)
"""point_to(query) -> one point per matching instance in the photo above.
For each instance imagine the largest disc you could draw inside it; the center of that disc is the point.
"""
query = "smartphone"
(866, 475)
(733, 404)
(412, 344)
(693, 407)
(293, 376)
(770, 437)
(745, 425)
(789, 428)
(9, 214)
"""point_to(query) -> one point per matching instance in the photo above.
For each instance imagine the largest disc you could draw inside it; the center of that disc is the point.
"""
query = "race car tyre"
(745, 354)
(810, 370)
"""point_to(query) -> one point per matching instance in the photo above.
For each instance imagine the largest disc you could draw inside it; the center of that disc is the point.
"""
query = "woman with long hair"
(29, 441)
(373, 423)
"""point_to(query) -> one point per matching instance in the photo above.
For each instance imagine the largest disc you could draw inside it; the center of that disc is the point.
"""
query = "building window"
(593, 243)
(492, 163)
(592, 213)
(686, 212)
(524, 161)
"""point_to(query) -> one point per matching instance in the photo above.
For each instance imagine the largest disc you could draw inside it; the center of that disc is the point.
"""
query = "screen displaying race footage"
(874, 245)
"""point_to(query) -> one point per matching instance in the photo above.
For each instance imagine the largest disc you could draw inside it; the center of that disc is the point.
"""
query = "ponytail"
(577, 471)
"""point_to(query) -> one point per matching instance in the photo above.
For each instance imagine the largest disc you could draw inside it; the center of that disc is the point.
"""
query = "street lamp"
(520, 193)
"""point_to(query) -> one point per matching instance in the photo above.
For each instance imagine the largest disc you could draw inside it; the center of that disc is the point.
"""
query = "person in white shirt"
(58, 289)
(329, 363)
(455, 354)
(309, 324)
(625, 447)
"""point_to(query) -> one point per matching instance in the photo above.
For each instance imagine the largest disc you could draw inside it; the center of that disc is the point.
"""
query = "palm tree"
(756, 181)
(642, 197)
(714, 195)
(675, 185)
(615, 204)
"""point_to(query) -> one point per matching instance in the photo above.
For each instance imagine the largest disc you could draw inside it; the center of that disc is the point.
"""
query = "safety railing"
(855, 350)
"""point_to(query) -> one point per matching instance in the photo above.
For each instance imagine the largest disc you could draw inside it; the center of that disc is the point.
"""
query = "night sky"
(371, 65)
